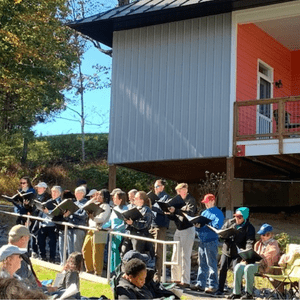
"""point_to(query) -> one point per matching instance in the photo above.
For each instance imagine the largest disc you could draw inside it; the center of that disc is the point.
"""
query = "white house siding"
(170, 91)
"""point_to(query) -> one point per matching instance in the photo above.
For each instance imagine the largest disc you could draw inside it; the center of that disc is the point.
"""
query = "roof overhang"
(101, 27)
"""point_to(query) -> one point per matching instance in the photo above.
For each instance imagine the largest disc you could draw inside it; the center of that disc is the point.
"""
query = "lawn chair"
(286, 284)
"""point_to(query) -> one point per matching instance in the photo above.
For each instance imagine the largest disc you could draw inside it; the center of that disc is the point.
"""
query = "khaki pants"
(158, 233)
(93, 254)
(186, 238)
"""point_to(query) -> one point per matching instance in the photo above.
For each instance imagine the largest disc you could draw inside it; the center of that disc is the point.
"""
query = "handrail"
(165, 243)
(280, 133)
(111, 233)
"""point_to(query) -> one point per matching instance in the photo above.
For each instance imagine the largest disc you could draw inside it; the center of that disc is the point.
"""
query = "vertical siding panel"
(185, 95)
(170, 101)
(141, 53)
(163, 138)
(192, 86)
(202, 85)
(170, 92)
(156, 109)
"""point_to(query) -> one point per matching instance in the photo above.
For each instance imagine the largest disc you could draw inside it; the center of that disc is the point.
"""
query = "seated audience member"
(244, 239)
(75, 235)
(94, 243)
(267, 247)
(19, 236)
(156, 288)
(139, 227)
(10, 260)
(116, 224)
(12, 288)
(132, 282)
(70, 274)
(185, 233)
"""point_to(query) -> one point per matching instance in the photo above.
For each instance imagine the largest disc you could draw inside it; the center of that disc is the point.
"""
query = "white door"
(265, 111)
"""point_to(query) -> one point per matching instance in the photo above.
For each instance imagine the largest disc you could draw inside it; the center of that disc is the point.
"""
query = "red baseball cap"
(208, 197)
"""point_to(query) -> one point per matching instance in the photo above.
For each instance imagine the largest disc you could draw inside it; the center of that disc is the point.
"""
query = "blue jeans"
(208, 265)
(75, 240)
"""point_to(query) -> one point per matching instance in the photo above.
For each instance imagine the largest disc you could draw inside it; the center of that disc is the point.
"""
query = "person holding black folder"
(46, 229)
(27, 206)
(138, 227)
(94, 242)
(75, 235)
(116, 224)
(185, 233)
(244, 237)
(207, 278)
(159, 225)
(266, 254)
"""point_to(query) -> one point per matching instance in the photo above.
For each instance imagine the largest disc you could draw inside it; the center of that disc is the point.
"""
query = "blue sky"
(96, 102)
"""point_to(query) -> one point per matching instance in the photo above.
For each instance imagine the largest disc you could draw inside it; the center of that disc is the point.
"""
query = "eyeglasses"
(239, 216)
(157, 186)
(23, 182)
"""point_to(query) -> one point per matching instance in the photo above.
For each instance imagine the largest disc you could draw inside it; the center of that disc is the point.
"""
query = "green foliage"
(36, 61)
(87, 288)
(67, 148)
(283, 239)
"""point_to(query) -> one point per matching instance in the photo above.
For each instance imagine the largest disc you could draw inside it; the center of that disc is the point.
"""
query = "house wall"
(296, 73)
(253, 44)
(171, 91)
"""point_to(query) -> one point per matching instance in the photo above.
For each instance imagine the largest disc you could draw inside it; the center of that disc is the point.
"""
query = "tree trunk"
(25, 151)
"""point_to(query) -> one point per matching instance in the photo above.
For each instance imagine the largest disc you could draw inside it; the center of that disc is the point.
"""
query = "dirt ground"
(281, 222)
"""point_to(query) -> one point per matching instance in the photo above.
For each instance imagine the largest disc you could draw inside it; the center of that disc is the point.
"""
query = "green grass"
(87, 288)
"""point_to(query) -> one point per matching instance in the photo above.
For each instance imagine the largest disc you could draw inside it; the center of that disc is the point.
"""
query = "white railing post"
(65, 244)
(109, 257)
(164, 263)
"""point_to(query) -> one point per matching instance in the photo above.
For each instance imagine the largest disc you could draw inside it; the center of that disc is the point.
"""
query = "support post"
(112, 174)
(230, 178)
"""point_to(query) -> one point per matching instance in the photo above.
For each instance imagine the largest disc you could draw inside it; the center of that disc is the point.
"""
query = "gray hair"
(81, 189)
(57, 188)
(134, 191)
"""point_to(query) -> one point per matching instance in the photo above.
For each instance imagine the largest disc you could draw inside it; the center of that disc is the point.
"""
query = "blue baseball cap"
(264, 229)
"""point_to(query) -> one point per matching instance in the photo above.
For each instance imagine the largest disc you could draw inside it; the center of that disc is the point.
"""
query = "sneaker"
(210, 290)
(183, 285)
(219, 293)
(247, 296)
(195, 287)
(233, 296)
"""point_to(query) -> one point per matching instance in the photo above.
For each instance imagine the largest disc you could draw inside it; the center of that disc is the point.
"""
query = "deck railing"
(277, 118)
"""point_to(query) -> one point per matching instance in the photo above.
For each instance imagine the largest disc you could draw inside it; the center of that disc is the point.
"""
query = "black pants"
(225, 263)
(45, 232)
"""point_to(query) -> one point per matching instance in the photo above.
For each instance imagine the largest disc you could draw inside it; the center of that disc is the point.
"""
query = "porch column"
(112, 180)
(230, 178)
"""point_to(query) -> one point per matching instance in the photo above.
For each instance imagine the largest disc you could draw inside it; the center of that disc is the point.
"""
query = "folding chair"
(288, 280)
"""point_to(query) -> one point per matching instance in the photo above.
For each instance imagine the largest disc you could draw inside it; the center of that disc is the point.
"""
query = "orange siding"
(296, 73)
(254, 44)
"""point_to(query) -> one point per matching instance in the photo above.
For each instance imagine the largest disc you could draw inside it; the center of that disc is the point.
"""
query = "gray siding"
(170, 91)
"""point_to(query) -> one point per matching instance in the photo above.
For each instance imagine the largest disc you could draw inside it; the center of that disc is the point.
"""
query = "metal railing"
(165, 243)
(276, 118)
(111, 233)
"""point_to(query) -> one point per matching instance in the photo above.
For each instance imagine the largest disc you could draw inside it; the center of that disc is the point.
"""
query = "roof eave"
(102, 30)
